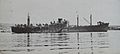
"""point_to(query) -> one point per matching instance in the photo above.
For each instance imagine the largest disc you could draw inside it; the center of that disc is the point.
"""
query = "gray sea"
(60, 43)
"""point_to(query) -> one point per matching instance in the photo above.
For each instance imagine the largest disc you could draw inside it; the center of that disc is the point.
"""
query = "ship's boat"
(53, 27)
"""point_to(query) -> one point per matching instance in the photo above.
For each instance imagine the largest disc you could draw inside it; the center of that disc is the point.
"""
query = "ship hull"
(34, 30)
(92, 28)
(22, 30)
(40, 28)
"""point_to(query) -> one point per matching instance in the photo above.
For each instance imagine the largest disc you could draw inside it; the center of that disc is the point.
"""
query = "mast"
(77, 19)
(90, 19)
(28, 20)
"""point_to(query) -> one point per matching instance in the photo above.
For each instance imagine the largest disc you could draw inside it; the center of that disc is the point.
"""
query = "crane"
(86, 20)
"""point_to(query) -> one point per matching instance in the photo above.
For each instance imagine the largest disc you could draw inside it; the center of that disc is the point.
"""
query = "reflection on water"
(55, 43)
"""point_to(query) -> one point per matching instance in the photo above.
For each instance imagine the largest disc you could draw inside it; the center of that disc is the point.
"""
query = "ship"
(100, 27)
(59, 26)
(53, 27)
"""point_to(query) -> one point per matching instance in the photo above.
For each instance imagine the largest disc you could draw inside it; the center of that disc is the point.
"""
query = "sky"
(44, 11)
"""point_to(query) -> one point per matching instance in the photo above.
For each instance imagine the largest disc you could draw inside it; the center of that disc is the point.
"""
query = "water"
(60, 43)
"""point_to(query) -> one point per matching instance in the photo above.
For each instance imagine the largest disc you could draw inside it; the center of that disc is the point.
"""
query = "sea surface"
(60, 43)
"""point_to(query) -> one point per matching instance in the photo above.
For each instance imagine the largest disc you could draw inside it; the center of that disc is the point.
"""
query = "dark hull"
(45, 28)
(34, 30)
(93, 28)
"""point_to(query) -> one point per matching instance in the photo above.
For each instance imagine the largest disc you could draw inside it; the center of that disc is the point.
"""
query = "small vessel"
(100, 27)
(53, 27)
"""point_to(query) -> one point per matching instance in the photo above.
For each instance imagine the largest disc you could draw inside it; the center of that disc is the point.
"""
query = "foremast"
(28, 20)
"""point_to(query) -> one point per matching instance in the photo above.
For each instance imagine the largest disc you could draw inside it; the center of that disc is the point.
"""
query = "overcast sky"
(44, 11)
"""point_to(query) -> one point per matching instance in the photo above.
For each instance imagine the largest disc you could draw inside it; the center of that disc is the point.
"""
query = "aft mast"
(90, 19)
